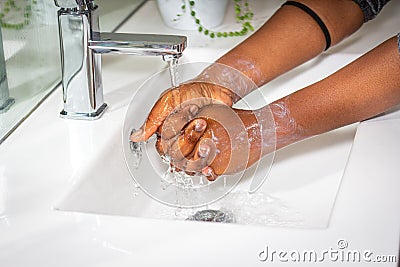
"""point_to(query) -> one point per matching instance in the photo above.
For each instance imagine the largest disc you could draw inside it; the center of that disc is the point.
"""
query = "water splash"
(137, 152)
(180, 178)
(260, 209)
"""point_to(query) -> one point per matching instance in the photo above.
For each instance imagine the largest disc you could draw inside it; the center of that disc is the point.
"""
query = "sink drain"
(212, 216)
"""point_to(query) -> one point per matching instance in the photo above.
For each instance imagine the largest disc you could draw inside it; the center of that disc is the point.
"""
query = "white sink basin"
(300, 190)
(78, 166)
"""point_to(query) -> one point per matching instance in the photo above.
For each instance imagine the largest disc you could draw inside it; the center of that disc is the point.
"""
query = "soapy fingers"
(182, 146)
(184, 100)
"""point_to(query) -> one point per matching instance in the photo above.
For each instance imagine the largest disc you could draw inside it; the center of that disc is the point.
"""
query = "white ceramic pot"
(210, 12)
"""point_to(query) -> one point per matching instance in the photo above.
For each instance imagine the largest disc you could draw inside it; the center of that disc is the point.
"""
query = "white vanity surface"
(41, 160)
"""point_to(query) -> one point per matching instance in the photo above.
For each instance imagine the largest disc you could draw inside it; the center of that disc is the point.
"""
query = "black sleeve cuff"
(371, 8)
(398, 41)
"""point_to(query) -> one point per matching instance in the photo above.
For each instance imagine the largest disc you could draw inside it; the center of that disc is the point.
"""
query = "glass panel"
(30, 54)
(113, 13)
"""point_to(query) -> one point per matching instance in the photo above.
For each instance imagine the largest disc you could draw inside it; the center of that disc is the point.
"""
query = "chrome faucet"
(5, 100)
(82, 44)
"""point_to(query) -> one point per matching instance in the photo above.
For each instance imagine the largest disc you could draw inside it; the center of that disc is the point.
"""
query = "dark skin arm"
(368, 86)
(289, 38)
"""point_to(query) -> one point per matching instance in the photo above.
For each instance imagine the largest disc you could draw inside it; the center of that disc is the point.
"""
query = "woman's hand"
(183, 102)
(221, 140)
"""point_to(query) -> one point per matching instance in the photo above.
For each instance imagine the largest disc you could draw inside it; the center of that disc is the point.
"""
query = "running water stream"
(173, 72)
(189, 190)
(185, 185)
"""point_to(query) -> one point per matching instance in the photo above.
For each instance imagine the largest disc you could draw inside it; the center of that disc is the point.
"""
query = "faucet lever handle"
(74, 4)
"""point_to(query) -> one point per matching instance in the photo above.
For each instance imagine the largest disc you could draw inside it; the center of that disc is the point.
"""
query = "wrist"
(230, 81)
(287, 129)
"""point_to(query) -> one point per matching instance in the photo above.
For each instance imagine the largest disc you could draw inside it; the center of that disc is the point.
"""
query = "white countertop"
(40, 160)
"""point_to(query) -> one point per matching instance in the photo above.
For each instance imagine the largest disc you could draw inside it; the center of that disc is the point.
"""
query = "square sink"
(299, 192)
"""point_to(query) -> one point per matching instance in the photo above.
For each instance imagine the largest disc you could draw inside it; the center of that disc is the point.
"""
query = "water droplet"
(135, 189)
(136, 150)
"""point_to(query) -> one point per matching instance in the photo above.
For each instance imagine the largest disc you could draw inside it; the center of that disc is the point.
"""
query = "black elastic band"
(317, 19)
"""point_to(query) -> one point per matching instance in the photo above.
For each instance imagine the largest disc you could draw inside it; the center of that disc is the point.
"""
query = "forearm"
(291, 37)
(368, 86)
(364, 88)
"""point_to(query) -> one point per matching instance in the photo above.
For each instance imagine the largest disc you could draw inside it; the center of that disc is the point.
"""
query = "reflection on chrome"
(5, 100)
(82, 44)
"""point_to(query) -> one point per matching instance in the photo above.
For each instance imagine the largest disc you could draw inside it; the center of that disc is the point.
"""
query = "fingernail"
(209, 173)
(136, 136)
(204, 150)
(200, 126)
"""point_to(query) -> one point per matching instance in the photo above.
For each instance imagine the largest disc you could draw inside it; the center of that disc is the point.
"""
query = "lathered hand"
(221, 140)
(183, 102)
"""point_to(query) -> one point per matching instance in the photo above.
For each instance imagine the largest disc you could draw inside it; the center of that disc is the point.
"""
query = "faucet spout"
(82, 44)
(138, 44)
